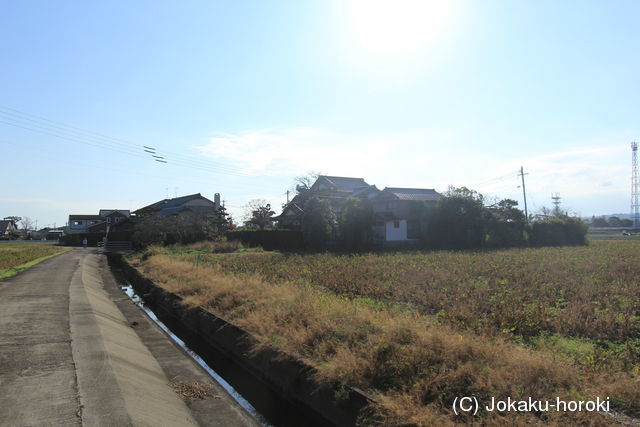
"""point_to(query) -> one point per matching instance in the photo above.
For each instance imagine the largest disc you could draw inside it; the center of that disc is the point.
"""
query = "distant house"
(193, 204)
(393, 207)
(7, 228)
(79, 223)
(114, 216)
(394, 210)
(96, 223)
(335, 189)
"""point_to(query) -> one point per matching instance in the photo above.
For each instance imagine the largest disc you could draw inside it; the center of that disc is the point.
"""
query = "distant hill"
(619, 215)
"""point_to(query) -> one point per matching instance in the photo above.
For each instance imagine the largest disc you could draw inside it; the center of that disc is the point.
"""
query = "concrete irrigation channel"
(279, 387)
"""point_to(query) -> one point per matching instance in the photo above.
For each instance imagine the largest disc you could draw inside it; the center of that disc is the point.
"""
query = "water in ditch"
(253, 395)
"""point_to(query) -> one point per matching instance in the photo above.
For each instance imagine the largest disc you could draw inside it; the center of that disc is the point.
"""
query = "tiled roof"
(428, 194)
(172, 203)
(344, 183)
(365, 190)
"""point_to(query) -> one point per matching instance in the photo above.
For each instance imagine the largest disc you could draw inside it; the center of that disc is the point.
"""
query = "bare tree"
(305, 181)
(251, 206)
(258, 213)
(27, 224)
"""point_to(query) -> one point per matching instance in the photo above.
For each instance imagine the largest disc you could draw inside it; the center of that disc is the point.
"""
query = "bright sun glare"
(398, 27)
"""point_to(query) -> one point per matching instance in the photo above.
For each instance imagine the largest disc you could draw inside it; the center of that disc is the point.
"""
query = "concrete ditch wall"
(287, 376)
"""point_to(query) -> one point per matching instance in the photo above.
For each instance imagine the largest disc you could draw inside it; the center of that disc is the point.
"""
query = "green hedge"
(283, 240)
(565, 231)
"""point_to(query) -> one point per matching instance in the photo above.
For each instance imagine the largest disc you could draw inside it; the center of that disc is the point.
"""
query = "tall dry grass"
(412, 364)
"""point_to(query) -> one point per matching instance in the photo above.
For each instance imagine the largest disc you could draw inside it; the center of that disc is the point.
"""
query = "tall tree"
(457, 222)
(259, 214)
(221, 220)
(505, 224)
(318, 222)
(356, 220)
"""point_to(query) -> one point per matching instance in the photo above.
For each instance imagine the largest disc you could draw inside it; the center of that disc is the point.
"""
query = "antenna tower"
(635, 186)
(556, 204)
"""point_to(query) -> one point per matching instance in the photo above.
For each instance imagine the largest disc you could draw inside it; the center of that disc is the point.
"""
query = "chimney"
(216, 201)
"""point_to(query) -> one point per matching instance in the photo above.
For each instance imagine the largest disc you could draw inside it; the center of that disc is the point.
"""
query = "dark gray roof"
(364, 190)
(4, 225)
(89, 217)
(290, 207)
(427, 194)
(342, 183)
(171, 211)
(173, 203)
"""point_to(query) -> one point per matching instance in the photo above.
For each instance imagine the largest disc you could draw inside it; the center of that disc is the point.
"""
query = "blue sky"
(243, 96)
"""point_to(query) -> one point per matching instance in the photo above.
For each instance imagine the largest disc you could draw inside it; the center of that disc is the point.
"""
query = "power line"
(500, 178)
(45, 126)
(175, 178)
(128, 151)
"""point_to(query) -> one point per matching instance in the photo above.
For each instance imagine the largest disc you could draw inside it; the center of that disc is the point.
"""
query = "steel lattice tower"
(635, 187)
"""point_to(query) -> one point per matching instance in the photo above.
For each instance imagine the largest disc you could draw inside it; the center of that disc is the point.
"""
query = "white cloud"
(433, 159)
(297, 151)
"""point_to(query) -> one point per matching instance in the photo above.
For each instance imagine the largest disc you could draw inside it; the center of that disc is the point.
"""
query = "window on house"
(108, 220)
(396, 224)
(76, 223)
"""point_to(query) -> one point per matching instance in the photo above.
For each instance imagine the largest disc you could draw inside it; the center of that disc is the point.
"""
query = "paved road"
(37, 373)
(75, 351)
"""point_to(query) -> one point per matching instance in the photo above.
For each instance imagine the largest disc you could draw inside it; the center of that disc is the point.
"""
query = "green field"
(610, 234)
(18, 256)
(418, 329)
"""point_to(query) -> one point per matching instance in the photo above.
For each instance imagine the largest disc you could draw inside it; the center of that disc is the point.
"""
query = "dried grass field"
(418, 329)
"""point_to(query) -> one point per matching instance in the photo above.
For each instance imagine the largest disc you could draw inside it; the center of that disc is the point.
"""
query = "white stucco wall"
(399, 233)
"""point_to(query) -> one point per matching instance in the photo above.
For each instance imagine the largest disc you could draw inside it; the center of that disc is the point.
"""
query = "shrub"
(177, 229)
(217, 246)
(283, 240)
(558, 231)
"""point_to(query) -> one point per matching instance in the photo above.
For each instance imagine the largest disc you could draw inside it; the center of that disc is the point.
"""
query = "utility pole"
(524, 193)
(635, 187)
(287, 196)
